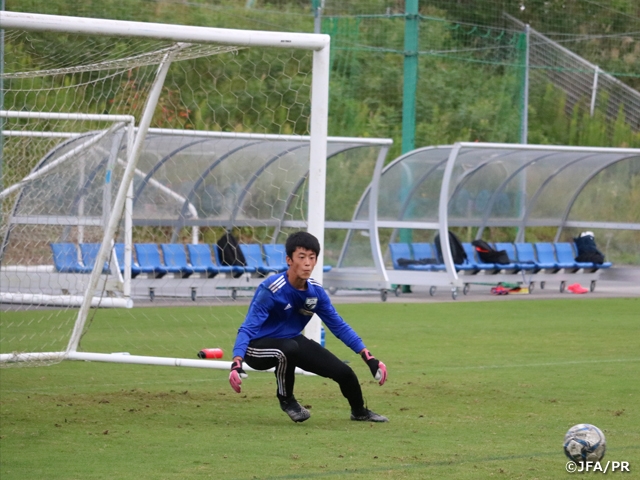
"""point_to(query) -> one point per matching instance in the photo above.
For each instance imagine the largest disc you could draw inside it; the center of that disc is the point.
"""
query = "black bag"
(587, 249)
(457, 250)
(488, 254)
(230, 253)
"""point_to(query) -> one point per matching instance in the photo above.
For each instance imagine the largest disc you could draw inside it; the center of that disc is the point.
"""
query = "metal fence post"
(594, 90)
(410, 82)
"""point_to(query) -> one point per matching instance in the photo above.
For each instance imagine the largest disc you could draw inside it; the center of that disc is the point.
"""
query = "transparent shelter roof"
(191, 178)
(506, 185)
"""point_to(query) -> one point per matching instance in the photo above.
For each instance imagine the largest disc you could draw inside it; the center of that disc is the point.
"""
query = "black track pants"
(287, 354)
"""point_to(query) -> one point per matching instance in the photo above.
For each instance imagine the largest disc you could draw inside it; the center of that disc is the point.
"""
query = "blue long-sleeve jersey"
(278, 310)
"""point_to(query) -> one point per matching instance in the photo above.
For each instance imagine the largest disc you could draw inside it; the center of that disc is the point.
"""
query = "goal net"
(126, 157)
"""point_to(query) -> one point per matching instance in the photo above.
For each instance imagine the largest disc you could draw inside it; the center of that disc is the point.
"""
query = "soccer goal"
(93, 113)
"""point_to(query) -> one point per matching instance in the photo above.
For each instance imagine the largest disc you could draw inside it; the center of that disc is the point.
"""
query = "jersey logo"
(288, 306)
(309, 305)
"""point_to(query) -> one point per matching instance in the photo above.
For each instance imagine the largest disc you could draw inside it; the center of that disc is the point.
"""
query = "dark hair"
(303, 240)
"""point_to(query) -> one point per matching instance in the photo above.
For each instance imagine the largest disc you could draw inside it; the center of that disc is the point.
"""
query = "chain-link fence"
(470, 71)
(586, 85)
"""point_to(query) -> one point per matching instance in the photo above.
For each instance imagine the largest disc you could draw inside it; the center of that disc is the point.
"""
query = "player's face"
(301, 264)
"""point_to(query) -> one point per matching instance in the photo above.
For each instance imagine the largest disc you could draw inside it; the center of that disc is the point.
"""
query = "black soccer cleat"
(296, 412)
(366, 415)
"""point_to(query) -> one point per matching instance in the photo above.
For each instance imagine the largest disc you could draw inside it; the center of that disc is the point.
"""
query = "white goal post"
(186, 42)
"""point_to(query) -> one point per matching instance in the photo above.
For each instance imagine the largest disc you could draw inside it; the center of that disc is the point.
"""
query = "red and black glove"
(378, 369)
(236, 375)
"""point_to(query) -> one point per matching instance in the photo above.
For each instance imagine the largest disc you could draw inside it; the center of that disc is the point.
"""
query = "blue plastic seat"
(65, 258)
(566, 254)
(276, 256)
(398, 251)
(236, 270)
(426, 251)
(473, 261)
(89, 252)
(467, 265)
(527, 257)
(149, 260)
(547, 257)
(253, 255)
(565, 258)
(526, 262)
(175, 256)
(200, 256)
(135, 268)
(513, 265)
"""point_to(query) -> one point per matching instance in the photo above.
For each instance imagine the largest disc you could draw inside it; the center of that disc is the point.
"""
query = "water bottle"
(210, 353)
(322, 340)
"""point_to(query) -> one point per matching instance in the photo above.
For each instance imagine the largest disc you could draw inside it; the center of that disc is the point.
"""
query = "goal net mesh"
(66, 138)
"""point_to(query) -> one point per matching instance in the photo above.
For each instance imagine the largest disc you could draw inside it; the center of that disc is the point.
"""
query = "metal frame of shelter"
(478, 185)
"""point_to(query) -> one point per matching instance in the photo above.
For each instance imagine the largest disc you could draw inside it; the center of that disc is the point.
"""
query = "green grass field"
(475, 390)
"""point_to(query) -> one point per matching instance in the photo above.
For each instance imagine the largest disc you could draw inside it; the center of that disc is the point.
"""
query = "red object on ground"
(499, 290)
(210, 353)
(577, 288)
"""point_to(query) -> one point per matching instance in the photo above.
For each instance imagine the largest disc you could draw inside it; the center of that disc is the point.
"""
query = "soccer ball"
(584, 443)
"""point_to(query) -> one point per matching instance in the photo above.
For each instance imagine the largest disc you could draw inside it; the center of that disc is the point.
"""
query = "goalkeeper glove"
(378, 369)
(236, 375)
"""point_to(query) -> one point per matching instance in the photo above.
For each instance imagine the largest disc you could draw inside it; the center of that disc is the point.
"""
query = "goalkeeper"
(270, 335)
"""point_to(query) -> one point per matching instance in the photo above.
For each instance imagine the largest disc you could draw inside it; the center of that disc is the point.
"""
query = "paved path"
(615, 282)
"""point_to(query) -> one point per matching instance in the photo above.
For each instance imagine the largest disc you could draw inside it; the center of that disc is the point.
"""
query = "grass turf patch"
(475, 390)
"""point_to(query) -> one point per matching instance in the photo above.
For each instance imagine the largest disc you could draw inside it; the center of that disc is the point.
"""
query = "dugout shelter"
(184, 182)
(475, 188)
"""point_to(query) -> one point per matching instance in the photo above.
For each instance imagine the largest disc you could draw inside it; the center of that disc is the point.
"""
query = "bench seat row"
(203, 259)
(524, 257)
